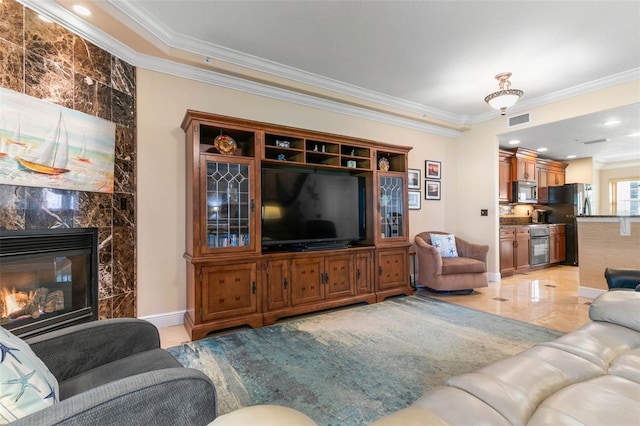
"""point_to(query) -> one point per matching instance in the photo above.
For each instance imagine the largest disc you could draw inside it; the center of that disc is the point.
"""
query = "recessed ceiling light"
(541, 149)
(634, 135)
(514, 142)
(81, 10)
(612, 122)
(571, 156)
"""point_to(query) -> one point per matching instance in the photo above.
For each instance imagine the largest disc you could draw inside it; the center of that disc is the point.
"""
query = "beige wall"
(469, 168)
(162, 102)
(607, 174)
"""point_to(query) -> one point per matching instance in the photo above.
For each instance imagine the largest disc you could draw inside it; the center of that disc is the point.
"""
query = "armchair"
(459, 274)
(113, 372)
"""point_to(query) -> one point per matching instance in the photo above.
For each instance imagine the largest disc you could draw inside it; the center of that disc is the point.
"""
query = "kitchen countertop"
(533, 224)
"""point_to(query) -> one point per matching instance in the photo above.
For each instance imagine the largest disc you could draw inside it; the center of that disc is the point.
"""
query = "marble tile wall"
(46, 61)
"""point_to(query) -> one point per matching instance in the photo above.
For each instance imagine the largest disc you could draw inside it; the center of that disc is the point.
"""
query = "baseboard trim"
(494, 276)
(168, 319)
(589, 292)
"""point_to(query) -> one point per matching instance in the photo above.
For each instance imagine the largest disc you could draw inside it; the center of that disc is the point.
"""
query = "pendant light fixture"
(506, 96)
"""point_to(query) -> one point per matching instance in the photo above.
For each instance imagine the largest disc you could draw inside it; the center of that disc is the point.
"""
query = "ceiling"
(429, 61)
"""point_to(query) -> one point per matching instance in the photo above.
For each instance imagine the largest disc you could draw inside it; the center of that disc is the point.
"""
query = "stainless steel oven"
(539, 245)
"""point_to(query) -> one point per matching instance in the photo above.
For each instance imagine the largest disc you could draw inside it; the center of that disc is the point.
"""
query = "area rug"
(353, 366)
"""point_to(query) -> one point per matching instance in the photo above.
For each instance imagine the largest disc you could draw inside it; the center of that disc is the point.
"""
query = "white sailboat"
(51, 156)
(83, 152)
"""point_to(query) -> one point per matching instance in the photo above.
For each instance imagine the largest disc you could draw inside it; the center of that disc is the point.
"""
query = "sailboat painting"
(46, 145)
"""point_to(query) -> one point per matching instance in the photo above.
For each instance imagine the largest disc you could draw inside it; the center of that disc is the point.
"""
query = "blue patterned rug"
(353, 366)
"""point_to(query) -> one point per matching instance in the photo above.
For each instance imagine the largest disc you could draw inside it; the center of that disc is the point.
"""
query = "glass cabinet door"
(391, 201)
(228, 204)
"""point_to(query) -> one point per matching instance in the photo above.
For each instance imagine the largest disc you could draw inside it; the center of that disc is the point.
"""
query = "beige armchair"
(451, 274)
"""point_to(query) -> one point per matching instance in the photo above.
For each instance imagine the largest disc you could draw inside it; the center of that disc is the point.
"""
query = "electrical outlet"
(484, 212)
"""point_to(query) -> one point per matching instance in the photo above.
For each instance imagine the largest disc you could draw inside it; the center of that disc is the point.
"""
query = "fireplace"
(48, 279)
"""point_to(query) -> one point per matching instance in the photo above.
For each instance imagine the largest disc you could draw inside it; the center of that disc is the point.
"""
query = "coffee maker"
(539, 216)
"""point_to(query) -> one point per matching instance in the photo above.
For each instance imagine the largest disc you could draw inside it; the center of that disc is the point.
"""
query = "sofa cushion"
(462, 265)
(156, 359)
(604, 400)
(26, 383)
(627, 365)
(617, 307)
(445, 243)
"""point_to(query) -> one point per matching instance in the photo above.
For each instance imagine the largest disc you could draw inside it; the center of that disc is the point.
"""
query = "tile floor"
(547, 297)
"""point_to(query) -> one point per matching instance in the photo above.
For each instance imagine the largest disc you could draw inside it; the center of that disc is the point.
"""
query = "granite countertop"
(533, 224)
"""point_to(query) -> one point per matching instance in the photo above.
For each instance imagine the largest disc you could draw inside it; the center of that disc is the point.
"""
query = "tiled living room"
(384, 358)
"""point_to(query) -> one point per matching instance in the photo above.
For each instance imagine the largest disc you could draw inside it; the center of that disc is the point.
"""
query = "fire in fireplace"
(48, 279)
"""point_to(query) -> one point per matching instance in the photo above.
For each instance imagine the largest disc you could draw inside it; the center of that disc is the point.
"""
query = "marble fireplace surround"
(49, 62)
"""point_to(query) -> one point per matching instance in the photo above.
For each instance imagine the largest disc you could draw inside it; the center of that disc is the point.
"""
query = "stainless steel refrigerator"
(565, 204)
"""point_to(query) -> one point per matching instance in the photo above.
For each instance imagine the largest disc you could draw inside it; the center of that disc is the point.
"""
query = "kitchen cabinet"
(514, 250)
(504, 174)
(550, 173)
(523, 167)
(557, 244)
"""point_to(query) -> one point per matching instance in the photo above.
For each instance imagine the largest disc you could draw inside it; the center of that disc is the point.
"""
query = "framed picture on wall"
(432, 169)
(432, 189)
(413, 179)
(414, 200)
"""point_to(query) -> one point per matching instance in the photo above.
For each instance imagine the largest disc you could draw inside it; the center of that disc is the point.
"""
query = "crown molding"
(211, 50)
(137, 16)
(230, 82)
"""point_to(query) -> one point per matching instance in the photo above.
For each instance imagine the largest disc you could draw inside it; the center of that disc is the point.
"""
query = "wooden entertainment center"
(231, 280)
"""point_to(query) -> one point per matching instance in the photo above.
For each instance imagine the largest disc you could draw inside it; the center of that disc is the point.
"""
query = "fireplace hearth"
(48, 279)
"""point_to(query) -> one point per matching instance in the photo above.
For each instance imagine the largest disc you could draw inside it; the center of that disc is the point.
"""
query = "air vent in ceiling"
(519, 120)
(595, 141)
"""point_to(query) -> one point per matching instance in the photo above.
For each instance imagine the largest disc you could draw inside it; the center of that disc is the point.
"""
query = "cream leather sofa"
(588, 377)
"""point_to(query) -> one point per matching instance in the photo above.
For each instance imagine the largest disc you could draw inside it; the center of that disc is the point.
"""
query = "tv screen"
(310, 207)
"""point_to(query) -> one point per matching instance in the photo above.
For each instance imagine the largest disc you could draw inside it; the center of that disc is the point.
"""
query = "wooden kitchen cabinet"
(550, 173)
(557, 244)
(507, 259)
(504, 174)
(514, 250)
(523, 168)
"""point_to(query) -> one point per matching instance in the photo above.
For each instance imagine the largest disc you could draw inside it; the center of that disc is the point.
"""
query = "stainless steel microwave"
(524, 191)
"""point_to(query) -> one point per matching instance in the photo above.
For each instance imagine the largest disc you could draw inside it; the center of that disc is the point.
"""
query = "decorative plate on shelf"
(383, 164)
(225, 144)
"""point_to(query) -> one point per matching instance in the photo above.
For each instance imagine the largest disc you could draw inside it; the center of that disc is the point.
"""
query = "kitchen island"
(605, 241)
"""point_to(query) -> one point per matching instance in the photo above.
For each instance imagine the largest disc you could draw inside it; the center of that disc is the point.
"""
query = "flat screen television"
(302, 209)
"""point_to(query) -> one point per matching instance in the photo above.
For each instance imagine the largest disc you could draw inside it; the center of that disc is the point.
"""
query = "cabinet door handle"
(326, 278)
(380, 270)
(253, 287)
(284, 283)
(358, 274)
(253, 206)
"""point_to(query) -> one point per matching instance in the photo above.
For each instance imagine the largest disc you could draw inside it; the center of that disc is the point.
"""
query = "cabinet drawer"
(507, 232)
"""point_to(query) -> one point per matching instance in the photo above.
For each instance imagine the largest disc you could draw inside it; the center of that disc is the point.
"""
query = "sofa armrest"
(429, 259)
(174, 396)
(74, 350)
(472, 250)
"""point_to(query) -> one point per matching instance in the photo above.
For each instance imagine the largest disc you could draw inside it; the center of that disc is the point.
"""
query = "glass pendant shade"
(505, 97)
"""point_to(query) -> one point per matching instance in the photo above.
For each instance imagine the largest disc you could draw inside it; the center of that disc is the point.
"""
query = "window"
(625, 197)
